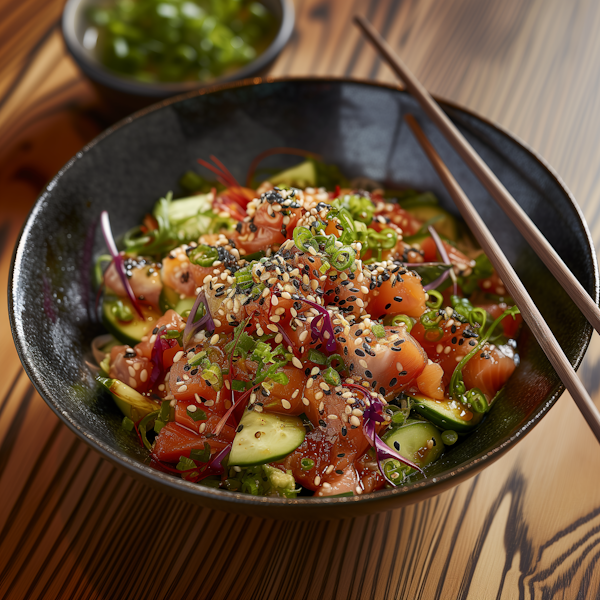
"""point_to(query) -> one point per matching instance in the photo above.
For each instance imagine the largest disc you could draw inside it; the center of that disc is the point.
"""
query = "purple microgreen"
(118, 260)
(437, 282)
(371, 416)
(226, 416)
(193, 327)
(327, 326)
(160, 345)
(444, 255)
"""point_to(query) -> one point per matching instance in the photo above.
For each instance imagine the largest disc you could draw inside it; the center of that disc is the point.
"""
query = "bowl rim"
(417, 490)
(96, 71)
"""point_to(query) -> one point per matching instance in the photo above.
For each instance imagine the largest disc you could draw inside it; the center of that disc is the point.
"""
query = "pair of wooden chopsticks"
(530, 232)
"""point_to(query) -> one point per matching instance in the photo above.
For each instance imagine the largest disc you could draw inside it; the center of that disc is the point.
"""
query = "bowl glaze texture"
(356, 125)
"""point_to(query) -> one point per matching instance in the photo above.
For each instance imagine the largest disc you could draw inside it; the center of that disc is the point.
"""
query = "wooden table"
(73, 526)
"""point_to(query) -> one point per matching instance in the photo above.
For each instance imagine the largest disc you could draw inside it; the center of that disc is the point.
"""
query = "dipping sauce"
(178, 40)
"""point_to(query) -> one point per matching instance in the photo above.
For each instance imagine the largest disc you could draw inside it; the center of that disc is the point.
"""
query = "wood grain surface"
(74, 526)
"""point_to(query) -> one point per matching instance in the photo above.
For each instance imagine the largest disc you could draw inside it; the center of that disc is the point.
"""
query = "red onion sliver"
(118, 260)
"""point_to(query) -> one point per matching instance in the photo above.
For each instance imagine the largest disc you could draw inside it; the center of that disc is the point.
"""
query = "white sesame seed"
(296, 362)
(132, 382)
(286, 404)
(305, 401)
(214, 339)
(192, 408)
(178, 356)
(317, 478)
(354, 420)
(183, 388)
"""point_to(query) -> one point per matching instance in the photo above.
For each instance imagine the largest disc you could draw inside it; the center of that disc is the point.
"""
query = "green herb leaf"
(201, 455)
(196, 415)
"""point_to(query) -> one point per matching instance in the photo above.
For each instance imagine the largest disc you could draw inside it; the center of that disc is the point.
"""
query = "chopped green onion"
(430, 321)
(280, 378)
(307, 464)
(331, 376)
(406, 320)
(378, 330)
(196, 415)
(343, 257)
(214, 376)
(204, 255)
(145, 424)
(121, 311)
(477, 400)
(316, 357)
(437, 300)
(449, 437)
(341, 366)
(244, 277)
(303, 238)
(127, 424)
(197, 358)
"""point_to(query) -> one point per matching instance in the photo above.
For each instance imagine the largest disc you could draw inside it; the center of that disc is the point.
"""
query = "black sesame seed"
(359, 352)
(397, 446)
(393, 382)
(368, 374)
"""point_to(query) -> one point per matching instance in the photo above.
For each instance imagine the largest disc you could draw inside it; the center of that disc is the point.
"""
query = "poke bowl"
(356, 126)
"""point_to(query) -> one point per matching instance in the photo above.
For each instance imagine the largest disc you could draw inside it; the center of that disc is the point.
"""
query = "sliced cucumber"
(265, 437)
(446, 414)
(128, 331)
(446, 225)
(170, 299)
(132, 403)
(419, 442)
(301, 176)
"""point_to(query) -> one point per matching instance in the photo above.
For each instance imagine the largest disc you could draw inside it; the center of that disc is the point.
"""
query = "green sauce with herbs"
(178, 40)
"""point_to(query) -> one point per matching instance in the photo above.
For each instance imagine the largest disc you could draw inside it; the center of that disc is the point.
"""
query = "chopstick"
(494, 186)
(513, 284)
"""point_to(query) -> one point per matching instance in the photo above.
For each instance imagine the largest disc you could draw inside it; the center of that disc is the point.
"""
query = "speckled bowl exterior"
(356, 125)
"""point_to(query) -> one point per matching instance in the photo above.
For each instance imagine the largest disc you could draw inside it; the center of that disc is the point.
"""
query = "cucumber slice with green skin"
(170, 299)
(301, 176)
(131, 403)
(127, 332)
(446, 414)
(417, 200)
(419, 442)
(265, 437)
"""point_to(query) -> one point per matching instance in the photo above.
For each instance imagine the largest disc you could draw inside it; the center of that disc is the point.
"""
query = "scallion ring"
(437, 300)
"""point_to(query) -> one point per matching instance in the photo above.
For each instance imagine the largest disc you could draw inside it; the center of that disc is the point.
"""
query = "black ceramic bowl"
(359, 127)
(128, 94)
